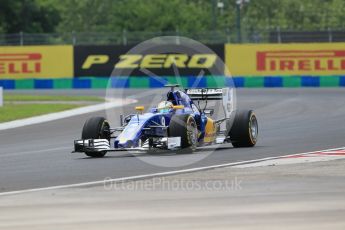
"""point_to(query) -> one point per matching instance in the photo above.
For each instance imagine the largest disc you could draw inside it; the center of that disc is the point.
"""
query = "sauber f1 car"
(177, 123)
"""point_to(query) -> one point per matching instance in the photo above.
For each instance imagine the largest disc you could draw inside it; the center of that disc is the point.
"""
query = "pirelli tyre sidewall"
(96, 128)
(244, 131)
(184, 126)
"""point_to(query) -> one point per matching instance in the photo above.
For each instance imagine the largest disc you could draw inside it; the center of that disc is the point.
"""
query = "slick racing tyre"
(244, 131)
(184, 126)
(96, 128)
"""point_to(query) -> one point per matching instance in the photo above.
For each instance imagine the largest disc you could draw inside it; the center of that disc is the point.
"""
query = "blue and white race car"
(177, 123)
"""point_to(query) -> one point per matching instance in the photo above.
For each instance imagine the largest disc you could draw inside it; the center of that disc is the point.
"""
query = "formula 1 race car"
(177, 123)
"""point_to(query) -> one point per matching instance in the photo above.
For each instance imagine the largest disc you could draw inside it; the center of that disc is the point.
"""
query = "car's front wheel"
(96, 128)
(184, 126)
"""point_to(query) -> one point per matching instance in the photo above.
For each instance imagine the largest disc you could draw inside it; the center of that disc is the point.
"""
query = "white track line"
(64, 114)
(147, 176)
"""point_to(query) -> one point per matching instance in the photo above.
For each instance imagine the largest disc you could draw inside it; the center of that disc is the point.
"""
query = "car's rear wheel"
(244, 131)
(184, 126)
(96, 128)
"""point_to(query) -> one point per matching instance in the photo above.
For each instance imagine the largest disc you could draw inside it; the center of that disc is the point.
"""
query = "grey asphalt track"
(283, 197)
(290, 120)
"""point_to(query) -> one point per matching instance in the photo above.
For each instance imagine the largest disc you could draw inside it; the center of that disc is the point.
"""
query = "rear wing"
(226, 95)
(205, 94)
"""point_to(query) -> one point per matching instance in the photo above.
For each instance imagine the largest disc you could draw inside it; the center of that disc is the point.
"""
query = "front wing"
(100, 145)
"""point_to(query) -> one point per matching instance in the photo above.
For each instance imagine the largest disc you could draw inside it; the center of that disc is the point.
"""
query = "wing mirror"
(140, 109)
(175, 107)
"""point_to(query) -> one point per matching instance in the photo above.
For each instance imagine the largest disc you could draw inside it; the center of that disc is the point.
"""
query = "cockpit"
(179, 98)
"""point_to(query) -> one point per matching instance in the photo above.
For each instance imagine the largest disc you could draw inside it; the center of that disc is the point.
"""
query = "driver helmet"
(164, 106)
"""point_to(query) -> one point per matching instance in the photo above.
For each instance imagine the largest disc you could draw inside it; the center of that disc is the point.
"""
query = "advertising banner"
(318, 59)
(36, 62)
(103, 60)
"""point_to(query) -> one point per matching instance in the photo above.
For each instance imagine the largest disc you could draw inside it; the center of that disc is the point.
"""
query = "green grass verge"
(23, 97)
(13, 111)
(10, 112)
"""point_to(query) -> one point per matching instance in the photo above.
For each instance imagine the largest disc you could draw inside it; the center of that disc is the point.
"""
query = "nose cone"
(125, 143)
(130, 136)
